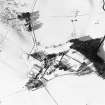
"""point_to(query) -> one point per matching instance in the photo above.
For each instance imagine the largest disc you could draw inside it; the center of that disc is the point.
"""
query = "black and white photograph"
(52, 52)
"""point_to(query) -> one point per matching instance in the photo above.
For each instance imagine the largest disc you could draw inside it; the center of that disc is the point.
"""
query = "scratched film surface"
(52, 52)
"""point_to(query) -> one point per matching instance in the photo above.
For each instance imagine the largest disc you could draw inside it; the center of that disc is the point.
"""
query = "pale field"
(68, 90)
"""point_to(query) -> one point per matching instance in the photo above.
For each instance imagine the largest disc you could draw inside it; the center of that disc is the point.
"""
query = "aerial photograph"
(52, 52)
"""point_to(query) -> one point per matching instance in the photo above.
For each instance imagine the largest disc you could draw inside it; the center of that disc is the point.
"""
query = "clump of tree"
(90, 48)
(18, 20)
(30, 19)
